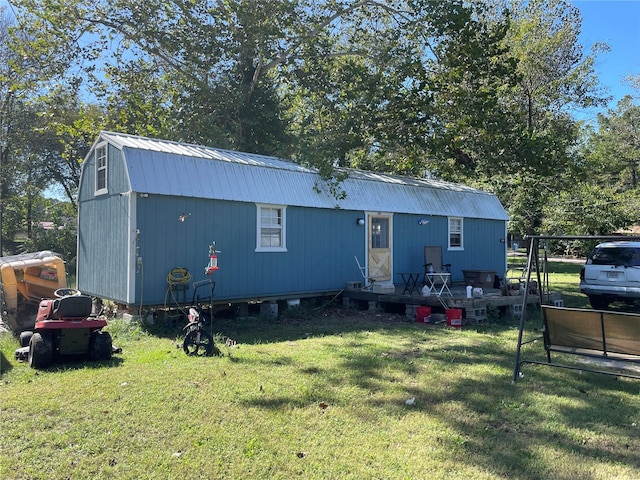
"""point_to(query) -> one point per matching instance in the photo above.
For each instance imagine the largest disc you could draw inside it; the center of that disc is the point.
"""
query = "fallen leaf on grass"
(323, 405)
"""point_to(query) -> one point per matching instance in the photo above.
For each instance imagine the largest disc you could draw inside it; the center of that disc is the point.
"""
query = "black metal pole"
(533, 247)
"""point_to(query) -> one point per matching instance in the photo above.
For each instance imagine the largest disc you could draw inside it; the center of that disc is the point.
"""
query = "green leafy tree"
(404, 89)
(54, 228)
(589, 209)
(615, 146)
(8, 79)
(352, 79)
(555, 74)
(213, 65)
(466, 90)
(555, 77)
(66, 130)
(25, 137)
(473, 133)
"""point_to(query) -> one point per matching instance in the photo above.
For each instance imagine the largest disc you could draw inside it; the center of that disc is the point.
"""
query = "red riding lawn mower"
(64, 326)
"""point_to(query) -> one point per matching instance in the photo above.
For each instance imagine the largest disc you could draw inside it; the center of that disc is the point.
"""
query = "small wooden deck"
(474, 309)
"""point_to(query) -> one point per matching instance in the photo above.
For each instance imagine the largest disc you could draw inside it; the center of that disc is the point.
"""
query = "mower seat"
(74, 306)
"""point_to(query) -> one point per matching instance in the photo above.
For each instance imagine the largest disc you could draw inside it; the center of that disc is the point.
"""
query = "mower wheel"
(100, 345)
(25, 337)
(198, 344)
(40, 351)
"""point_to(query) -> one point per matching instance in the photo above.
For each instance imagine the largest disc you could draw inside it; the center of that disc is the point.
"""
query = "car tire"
(40, 351)
(599, 302)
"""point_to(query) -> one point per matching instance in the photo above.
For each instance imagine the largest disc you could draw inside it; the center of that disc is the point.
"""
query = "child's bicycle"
(197, 341)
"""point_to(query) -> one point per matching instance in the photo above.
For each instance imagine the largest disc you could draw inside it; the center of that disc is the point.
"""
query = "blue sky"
(617, 23)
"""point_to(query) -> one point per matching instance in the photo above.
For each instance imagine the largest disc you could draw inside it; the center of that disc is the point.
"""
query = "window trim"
(259, 227)
(101, 146)
(450, 231)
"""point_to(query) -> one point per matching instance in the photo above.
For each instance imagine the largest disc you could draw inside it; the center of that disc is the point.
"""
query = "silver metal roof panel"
(172, 168)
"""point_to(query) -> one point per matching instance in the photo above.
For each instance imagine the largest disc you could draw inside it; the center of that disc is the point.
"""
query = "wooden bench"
(590, 333)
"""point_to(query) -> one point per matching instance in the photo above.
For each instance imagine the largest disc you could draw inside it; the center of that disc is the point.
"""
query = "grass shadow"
(503, 427)
(290, 326)
(465, 383)
(5, 365)
(70, 362)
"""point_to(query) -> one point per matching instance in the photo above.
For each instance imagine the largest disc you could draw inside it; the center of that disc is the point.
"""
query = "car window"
(622, 256)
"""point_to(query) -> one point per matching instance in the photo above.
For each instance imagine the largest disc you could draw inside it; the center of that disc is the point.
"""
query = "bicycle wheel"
(198, 343)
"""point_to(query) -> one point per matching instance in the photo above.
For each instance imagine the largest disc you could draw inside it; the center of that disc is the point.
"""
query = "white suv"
(612, 272)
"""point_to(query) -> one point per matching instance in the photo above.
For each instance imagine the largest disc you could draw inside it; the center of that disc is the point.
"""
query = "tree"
(406, 90)
(354, 79)
(462, 89)
(15, 118)
(6, 109)
(214, 63)
(473, 134)
(555, 76)
(616, 146)
(589, 209)
(634, 81)
(67, 129)
(58, 234)
(31, 148)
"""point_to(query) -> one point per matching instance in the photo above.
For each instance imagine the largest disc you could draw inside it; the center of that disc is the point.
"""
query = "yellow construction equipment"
(25, 280)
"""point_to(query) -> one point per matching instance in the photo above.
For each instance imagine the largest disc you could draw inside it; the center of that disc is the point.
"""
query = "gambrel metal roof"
(171, 168)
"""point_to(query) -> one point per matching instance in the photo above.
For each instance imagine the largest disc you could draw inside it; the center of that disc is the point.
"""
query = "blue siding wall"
(102, 232)
(321, 245)
(319, 257)
(483, 249)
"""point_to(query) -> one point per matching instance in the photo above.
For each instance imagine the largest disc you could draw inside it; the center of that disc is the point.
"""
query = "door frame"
(369, 216)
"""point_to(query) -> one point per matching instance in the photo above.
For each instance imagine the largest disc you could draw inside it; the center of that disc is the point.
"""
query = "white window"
(271, 231)
(100, 155)
(455, 233)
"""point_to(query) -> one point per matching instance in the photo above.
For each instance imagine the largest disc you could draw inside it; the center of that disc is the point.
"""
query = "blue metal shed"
(147, 206)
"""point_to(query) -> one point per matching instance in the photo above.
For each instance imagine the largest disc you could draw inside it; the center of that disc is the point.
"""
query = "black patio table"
(410, 280)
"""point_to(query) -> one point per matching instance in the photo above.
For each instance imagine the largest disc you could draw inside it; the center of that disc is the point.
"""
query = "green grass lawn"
(318, 395)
